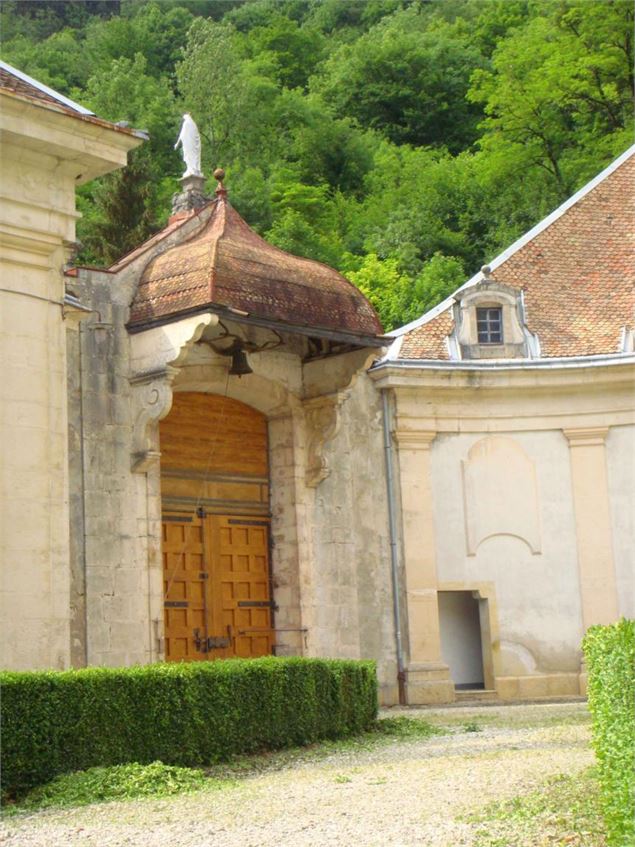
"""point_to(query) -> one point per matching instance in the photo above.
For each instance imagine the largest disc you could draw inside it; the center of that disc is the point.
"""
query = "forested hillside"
(404, 142)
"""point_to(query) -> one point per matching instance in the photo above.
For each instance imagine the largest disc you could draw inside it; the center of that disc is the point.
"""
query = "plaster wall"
(44, 153)
(537, 593)
(516, 484)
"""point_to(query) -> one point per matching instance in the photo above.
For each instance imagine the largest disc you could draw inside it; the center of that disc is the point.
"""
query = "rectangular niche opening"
(461, 643)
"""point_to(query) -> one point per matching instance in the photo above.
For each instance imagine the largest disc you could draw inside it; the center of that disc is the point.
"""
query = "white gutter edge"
(66, 101)
(568, 362)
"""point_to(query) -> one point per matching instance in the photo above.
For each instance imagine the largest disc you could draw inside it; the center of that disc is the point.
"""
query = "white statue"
(190, 141)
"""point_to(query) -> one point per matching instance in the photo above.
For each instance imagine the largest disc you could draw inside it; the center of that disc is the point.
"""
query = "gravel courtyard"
(402, 792)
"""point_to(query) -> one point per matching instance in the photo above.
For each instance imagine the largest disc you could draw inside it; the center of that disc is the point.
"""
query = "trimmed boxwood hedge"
(181, 714)
(610, 658)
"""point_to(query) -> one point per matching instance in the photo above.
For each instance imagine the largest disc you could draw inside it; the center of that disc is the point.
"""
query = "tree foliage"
(405, 142)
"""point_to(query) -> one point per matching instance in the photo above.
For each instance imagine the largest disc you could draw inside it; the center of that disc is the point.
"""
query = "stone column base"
(428, 683)
(539, 686)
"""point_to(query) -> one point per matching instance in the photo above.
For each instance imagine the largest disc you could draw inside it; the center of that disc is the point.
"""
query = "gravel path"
(406, 793)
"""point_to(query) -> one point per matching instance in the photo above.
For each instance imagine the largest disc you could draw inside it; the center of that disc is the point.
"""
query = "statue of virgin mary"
(190, 142)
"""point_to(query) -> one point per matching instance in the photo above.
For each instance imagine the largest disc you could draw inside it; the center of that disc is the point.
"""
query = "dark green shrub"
(181, 714)
(610, 658)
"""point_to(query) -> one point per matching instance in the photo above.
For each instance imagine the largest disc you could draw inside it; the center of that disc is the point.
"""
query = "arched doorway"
(215, 534)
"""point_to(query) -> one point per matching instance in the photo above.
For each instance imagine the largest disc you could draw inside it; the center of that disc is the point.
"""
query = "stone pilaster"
(593, 524)
(591, 505)
(427, 675)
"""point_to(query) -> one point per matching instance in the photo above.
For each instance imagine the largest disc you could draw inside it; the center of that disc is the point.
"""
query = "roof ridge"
(222, 206)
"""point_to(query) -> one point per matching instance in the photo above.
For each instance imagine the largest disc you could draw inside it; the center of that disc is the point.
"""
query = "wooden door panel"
(241, 572)
(184, 586)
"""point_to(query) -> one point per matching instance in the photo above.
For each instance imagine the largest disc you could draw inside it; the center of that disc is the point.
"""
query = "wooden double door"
(215, 494)
(217, 587)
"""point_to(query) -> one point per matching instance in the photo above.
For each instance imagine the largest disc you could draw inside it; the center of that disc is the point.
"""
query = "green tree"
(130, 204)
(122, 212)
(381, 281)
(407, 81)
(290, 51)
(560, 92)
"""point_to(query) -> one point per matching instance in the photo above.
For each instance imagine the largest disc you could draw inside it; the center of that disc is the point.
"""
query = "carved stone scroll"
(322, 416)
(152, 393)
(157, 355)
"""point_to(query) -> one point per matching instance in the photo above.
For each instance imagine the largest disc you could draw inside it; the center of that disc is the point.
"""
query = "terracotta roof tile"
(577, 274)
(226, 263)
(428, 341)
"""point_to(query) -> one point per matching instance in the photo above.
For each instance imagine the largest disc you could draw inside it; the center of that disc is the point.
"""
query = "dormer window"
(489, 325)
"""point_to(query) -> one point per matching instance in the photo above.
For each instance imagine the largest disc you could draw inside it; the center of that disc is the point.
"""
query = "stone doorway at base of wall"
(462, 622)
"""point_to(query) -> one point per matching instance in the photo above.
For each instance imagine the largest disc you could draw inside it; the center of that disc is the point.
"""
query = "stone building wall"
(46, 153)
(351, 541)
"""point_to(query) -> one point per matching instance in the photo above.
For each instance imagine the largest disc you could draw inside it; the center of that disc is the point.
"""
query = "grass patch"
(405, 727)
(134, 781)
(117, 782)
(564, 811)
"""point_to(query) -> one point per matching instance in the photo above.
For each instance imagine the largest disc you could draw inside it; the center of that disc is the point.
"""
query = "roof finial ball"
(219, 176)
(486, 271)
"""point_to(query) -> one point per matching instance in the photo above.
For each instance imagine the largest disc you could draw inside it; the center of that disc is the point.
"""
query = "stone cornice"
(414, 439)
(586, 436)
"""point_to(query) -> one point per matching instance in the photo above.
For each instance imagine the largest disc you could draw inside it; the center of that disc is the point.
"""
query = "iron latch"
(204, 645)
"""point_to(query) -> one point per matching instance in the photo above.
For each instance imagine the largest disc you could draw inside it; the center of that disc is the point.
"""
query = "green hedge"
(610, 658)
(181, 714)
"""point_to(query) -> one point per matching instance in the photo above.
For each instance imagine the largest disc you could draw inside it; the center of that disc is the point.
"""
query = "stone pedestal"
(191, 196)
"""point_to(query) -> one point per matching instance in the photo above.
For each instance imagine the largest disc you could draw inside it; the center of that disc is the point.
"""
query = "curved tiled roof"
(576, 270)
(227, 264)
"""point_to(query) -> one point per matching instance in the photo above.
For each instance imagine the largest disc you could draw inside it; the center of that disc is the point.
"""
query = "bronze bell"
(240, 363)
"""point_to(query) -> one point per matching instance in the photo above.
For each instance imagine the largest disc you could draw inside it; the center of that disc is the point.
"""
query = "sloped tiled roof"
(227, 264)
(16, 82)
(20, 83)
(576, 269)
(428, 342)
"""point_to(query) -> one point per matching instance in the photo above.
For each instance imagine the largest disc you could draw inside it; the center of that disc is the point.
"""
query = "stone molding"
(586, 436)
(414, 440)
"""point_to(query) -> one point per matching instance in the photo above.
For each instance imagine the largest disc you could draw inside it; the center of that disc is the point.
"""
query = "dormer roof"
(576, 270)
(226, 264)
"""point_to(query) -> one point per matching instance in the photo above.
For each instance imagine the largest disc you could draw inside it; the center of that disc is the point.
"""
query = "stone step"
(470, 695)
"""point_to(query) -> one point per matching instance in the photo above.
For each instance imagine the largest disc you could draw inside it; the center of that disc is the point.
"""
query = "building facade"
(49, 145)
(246, 465)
